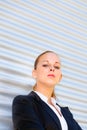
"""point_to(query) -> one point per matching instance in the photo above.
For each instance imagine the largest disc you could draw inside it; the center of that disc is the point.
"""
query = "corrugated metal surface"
(27, 29)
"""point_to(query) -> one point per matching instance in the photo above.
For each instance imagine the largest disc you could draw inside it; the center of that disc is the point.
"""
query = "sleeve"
(24, 115)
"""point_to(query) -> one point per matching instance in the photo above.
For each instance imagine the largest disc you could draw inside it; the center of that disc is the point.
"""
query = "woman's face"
(48, 70)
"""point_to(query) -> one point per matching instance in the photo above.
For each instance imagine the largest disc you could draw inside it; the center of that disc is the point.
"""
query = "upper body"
(32, 113)
(35, 111)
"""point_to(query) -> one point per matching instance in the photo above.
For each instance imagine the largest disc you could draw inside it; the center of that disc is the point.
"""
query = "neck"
(45, 90)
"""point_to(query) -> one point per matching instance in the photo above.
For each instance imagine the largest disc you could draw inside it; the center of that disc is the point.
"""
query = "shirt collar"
(44, 98)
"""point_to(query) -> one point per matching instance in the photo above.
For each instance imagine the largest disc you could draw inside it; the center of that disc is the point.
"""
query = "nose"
(51, 68)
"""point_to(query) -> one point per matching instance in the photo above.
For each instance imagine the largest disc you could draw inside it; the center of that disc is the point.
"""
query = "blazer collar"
(46, 108)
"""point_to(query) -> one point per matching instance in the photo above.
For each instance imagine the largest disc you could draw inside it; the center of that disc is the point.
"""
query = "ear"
(34, 74)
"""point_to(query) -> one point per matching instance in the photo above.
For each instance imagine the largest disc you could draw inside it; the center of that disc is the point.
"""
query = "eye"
(56, 67)
(45, 65)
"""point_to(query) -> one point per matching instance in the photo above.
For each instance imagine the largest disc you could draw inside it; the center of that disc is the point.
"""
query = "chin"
(51, 83)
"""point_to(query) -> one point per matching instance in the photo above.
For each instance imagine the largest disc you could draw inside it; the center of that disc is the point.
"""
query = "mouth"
(51, 75)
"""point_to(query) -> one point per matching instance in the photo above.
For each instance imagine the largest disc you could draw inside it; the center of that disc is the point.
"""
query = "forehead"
(50, 57)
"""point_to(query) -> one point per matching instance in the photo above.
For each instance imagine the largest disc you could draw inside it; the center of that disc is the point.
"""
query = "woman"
(39, 110)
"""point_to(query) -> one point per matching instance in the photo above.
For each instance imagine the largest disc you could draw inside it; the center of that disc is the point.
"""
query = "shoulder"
(30, 98)
(66, 111)
(23, 103)
(20, 98)
(70, 119)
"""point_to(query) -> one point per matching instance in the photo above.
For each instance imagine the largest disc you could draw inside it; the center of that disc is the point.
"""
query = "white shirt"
(61, 118)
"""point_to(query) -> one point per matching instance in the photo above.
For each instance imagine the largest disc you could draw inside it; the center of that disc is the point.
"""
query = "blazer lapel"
(52, 114)
(47, 108)
(67, 117)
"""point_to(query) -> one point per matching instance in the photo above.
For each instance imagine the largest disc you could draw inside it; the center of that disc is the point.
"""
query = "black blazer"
(31, 113)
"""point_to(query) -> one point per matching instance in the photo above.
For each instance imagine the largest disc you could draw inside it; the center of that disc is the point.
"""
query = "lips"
(51, 75)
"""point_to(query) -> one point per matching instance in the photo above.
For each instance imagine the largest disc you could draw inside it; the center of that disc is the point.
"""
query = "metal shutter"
(31, 27)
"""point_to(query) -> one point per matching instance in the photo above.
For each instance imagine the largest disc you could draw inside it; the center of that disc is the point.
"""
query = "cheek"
(59, 74)
(42, 70)
(42, 74)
